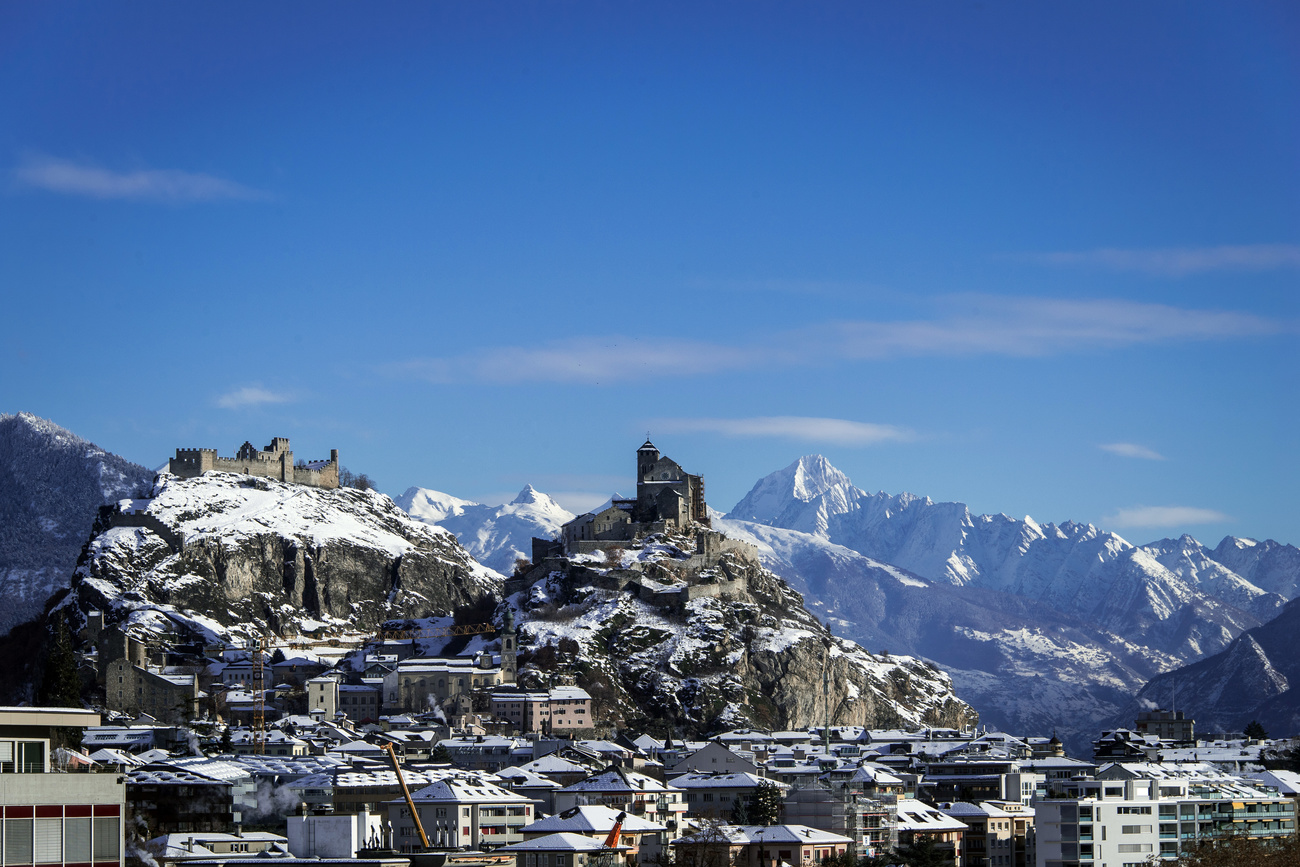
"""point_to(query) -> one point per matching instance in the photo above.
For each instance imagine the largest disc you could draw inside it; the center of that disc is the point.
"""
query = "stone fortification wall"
(274, 462)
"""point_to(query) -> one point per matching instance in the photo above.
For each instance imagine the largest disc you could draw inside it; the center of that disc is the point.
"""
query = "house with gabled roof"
(465, 811)
(621, 789)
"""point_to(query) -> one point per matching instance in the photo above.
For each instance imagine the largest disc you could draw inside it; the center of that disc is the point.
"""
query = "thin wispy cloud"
(584, 360)
(1012, 326)
(159, 185)
(979, 325)
(1132, 450)
(251, 395)
(1178, 261)
(1163, 517)
(835, 431)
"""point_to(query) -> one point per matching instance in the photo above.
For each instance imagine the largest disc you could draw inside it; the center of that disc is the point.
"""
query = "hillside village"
(215, 738)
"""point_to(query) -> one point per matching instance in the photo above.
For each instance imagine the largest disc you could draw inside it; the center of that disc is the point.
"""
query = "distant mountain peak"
(496, 535)
(814, 475)
(805, 480)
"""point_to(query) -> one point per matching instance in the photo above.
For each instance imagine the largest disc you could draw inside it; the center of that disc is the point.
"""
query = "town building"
(52, 818)
(759, 846)
(722, 796)
(166, 800)
(422, 683)
(174, 850)
(714, 757)
(1154, 812)
(1168, 725)
(621, 789)
(135, 689)
(998, 833)
(565, 850)
(919, 821)
(641, 839)
(463, 812)
(871, 821)
(558, 709)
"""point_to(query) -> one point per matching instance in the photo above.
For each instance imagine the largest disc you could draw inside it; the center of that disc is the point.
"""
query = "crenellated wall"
(274, 462)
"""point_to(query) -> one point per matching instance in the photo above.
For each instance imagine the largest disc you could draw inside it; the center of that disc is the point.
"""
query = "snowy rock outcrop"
(497, 536)
(231, 553)
(52, 483)
(705, 648)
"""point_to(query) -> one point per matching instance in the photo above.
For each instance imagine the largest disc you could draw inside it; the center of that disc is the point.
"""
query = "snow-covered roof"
(914, 815)
(740, 835)
(1287, 782)
(590, 819)
(163, 776)
(618, 780)
(707, 780)
(561, 842)
(467, 791)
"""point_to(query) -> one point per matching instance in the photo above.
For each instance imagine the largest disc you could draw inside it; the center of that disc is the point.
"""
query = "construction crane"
(406, 793)
(259, 647)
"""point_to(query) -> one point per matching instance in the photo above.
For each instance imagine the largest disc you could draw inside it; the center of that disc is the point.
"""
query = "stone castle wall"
(274, 462)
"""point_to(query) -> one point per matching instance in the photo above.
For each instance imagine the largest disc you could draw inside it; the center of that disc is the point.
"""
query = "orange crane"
(406, 793)
(611, 842)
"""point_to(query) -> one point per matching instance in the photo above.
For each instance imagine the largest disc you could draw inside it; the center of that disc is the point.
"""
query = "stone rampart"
(274, 462)
(173, 539)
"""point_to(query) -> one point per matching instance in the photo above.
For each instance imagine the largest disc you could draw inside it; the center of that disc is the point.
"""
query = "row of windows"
(53, 841)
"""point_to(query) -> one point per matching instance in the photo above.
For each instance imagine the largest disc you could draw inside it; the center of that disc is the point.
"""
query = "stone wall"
(274, 462)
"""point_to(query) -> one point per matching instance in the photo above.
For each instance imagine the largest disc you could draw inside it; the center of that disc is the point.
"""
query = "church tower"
(646, 457)
(509, 647)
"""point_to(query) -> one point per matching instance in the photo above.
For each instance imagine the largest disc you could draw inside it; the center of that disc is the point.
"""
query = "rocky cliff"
(660, 639)
(230, 554)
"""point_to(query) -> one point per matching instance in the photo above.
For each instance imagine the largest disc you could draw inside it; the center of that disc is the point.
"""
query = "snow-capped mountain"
(52, 482)
(1080, 614)
(1268, 565)
(497, 536)
(226, 554)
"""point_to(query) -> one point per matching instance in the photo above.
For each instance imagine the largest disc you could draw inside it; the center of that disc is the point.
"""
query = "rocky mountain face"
(738, 649)
(1268, 564)
(52, 483)
(1250, 679)
(497, 536)
(1041, 626)
(227, 554)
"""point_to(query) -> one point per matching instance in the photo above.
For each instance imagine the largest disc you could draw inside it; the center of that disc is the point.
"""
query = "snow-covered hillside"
(496, 535)
(227, 553)
(749, 654)
(52, 482)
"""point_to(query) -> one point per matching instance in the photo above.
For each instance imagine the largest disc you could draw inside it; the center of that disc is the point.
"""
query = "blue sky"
(1040, 260)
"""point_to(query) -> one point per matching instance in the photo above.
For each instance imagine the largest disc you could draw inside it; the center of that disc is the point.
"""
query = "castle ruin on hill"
(273, 462)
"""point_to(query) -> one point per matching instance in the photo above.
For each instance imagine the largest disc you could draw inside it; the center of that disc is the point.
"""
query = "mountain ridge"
(52, 483)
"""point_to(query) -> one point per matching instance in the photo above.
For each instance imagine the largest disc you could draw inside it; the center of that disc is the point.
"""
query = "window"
(18, 841)
(76, 840)
(108, 839)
